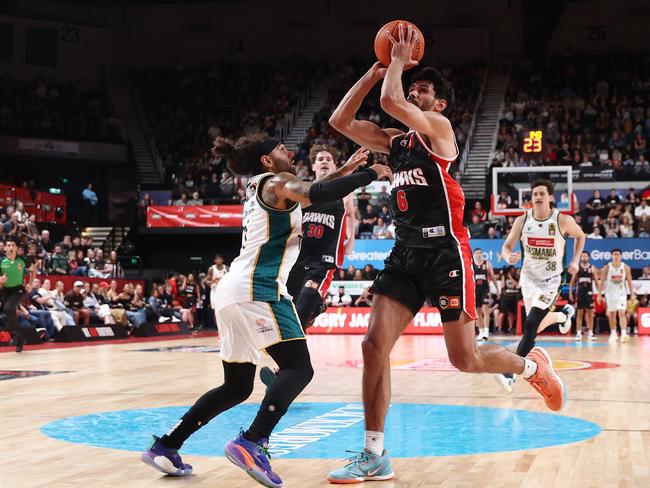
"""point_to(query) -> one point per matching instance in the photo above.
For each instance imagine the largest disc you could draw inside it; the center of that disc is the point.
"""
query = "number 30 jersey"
(270, 247)
(323, 234)
(543, 249)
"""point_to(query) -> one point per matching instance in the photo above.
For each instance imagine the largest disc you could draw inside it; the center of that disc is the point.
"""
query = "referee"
(12, 272)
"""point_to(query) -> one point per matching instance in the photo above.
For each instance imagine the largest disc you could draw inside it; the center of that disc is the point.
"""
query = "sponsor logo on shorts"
(446, 302)
(312, 284)
(262, 326)
(544, 299)
(454, 273)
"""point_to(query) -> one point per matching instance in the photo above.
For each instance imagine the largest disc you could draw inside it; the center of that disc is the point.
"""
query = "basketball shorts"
(316, 276)
(443, 273)
(508, 303)
(585, 300)
(249, 327)
(542, 294)
(616, 302)
(482, 296)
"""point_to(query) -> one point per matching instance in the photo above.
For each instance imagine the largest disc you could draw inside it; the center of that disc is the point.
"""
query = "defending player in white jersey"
(614, 277)
(542, 231)
(253, 309)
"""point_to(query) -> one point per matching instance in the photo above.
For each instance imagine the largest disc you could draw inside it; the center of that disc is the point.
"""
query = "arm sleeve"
(332, 190)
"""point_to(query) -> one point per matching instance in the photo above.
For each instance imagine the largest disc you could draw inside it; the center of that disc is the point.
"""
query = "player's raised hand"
(403, 46)
(514, 257)
(382, 171)
(359, 158)
(377, 70)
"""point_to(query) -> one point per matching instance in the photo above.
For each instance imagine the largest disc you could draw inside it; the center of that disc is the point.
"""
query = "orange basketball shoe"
(545, 380)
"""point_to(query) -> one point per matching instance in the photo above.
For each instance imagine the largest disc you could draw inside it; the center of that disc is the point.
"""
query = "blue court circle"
(326, 430)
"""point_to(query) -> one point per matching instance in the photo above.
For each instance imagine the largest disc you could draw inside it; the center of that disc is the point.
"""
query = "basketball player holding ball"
(432, 255)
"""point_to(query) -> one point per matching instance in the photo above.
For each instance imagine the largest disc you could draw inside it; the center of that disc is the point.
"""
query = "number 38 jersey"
(543, 249)
(270, 247)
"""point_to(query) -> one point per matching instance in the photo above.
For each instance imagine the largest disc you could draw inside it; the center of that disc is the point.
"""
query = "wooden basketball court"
(116, 377)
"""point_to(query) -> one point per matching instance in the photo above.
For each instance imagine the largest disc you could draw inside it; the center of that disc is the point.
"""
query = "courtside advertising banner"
(644, 321)
(195, 216)
(354, 320)
(636, 252)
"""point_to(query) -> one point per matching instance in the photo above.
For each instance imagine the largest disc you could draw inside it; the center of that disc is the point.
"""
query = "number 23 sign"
(533, 143)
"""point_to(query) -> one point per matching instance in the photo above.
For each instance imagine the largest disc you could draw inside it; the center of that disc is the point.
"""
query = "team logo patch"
(551, 229)
(454, 273)
(446, 302)
(312, 284)
(262, 326)
(544, 299)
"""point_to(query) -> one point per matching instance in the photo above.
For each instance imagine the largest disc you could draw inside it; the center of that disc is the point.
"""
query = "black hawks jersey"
(585, 279)
(425, 201)
(481, 275)
(323, 234)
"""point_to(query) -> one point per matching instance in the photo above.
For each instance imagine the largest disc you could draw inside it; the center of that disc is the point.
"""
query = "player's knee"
(465, 361)
(239, 391)
(373, 349)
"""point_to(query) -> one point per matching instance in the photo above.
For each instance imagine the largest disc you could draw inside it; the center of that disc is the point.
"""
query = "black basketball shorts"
(508, 303)
(443, 273)
(482, 296)
(316, 276)
(585, 300)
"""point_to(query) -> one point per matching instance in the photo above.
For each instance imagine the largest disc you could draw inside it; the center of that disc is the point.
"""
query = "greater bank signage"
(636, 252)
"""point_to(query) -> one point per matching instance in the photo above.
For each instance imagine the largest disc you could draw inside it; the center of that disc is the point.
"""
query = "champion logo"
(454, 273)
(403, 143)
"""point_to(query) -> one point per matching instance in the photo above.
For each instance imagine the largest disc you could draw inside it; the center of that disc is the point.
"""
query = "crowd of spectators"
(74, 254)
(617, 215)
(60, 110)
(467, 83)
(187, 108)
(594, 111)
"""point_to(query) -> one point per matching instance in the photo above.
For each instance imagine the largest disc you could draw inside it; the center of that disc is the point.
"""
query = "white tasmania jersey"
(218, 273)
(616, 282)
(543, 245)
(270, 247)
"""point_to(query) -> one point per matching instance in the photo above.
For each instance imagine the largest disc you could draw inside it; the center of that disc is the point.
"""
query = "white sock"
(624, 331)
(530, 368)
(375, 442)
(613, 333)
(486, 331)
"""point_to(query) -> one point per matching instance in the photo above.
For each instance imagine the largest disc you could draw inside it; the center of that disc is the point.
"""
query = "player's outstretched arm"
(511, 241)
(435, 125)
(570, 227)
(363, 132)
(288, 187)
(350, 224)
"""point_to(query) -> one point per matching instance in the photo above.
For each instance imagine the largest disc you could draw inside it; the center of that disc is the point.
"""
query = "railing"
(303, 100)
(147, 132)
(495, 134)
(470, 132)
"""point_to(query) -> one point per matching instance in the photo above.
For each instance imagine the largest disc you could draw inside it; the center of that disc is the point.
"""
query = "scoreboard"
(533, 142)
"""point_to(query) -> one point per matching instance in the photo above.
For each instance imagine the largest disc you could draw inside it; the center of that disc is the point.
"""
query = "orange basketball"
(383, 46)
